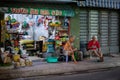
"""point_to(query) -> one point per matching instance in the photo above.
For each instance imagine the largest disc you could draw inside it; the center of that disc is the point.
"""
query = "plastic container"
(52, 59)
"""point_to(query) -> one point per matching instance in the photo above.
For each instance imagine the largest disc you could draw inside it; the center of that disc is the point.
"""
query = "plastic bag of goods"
(22, 62)
(28, 62)
(16, 58)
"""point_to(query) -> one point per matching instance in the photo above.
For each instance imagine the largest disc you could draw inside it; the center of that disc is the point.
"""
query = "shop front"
(100, 18)
(38, 31)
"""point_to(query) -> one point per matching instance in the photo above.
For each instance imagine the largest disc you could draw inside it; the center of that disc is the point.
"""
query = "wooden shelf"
(30, 49)
(15, 33)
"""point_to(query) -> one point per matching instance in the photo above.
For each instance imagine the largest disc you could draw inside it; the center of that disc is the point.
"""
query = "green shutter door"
(93, 23)
(83, 29)
(104, 31)
(114, 32)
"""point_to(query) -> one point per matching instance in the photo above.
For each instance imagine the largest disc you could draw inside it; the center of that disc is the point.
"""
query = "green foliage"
(5, 64)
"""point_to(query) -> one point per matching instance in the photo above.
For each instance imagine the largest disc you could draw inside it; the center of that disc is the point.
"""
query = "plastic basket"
(52, 59)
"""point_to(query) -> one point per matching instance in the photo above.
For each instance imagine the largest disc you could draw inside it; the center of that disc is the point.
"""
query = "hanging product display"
(25, 25)
(56, 23)
(66, 23)
(8, 19)
(14, 23)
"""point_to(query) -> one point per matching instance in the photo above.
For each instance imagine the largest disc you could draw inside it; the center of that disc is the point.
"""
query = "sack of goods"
(22, 62)
(28, 62)
(5, 57)
(7, 60)
(16, 64)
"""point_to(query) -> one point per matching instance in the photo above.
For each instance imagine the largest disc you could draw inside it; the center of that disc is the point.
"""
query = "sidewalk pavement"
(44, 68)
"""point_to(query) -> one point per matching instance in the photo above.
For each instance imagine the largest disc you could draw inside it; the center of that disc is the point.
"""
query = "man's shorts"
(91, 51)
(66, 52)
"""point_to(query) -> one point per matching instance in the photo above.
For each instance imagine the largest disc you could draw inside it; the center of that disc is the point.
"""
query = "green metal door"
(114, 32)
(104, 31)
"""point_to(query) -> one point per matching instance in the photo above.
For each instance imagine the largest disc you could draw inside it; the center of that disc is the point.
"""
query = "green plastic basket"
(52, 59)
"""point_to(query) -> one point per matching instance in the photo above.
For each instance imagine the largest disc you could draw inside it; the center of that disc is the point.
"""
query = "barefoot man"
(94, 47)
(68, 49)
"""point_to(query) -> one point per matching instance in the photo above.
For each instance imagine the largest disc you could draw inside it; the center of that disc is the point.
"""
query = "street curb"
(31, 73)
(58, 69)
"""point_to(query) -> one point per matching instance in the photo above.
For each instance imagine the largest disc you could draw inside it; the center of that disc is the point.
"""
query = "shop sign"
(39, 11)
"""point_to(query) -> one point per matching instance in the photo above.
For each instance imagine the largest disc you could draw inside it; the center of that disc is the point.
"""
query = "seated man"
(94, 47)
(68, 49)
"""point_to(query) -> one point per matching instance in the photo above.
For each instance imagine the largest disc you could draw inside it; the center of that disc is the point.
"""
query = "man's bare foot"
(101, 59)
(76, 62)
